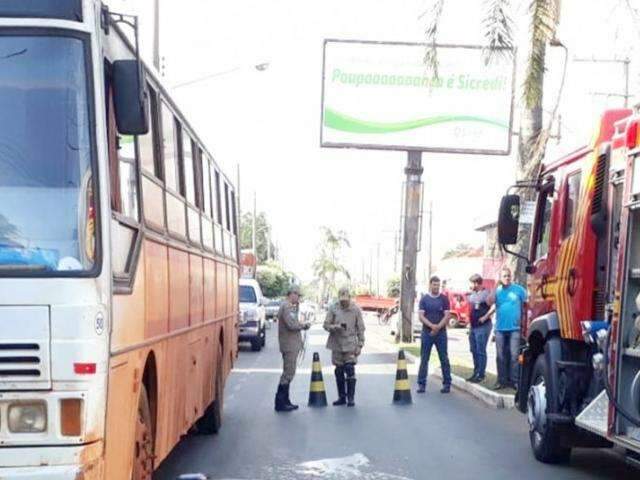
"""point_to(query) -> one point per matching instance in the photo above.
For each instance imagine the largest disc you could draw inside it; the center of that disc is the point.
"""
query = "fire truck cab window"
(571, 203)
(544, 229)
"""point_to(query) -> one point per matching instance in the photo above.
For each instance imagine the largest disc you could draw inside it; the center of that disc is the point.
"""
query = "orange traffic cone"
(317, 394)
(402, 391)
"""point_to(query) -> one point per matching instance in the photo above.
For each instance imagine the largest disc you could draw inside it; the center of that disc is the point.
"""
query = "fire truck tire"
(211, 421)
(143, 447)
(545, 441)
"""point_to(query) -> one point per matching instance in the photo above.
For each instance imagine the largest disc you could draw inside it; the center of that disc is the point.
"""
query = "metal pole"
(413, 200)
(378, 270)
(430, 251)
(626, 83)
(268, 237)
(156, 35)
(370, 271)
(254, 245)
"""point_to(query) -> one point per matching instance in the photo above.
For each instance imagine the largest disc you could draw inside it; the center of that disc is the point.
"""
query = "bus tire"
(545, 441)
(211, 421)
(143, 448)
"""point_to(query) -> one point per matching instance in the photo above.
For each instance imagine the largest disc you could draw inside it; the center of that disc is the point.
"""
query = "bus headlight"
(28, 417)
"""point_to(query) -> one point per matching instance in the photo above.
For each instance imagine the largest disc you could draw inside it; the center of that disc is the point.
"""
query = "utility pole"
(412, 205)
(156, 35)
(268, 237)
(370, 271)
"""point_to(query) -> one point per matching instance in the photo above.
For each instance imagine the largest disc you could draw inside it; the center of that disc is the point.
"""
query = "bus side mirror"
(131, 99)
(509, 220)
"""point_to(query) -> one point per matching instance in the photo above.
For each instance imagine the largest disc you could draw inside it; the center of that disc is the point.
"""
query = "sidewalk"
(381, 338)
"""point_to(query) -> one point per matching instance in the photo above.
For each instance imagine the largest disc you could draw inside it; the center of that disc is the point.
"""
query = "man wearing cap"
(346, 339)
(480, 315)
(290, 340)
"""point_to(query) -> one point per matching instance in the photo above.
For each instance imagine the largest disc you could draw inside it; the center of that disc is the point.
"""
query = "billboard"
(381, 95)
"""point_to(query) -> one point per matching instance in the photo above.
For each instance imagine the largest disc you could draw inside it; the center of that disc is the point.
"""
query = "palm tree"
(327, 266)
(498, 32)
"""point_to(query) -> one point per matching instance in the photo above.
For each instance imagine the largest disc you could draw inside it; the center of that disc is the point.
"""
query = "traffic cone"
(402, 391)
(317, 394)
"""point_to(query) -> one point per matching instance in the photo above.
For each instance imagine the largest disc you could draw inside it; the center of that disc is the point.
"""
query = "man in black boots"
(290, 339)
(346, 339)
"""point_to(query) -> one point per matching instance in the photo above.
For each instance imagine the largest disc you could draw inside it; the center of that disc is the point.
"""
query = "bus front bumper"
(52, 463)
(42, 473)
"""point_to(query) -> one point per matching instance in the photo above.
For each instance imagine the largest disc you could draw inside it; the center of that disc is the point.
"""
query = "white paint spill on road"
(335, 467)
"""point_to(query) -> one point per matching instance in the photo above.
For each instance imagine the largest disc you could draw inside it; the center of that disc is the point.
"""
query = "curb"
(492, 399)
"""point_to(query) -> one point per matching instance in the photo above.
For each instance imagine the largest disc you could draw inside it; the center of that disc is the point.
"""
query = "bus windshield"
(47, 211)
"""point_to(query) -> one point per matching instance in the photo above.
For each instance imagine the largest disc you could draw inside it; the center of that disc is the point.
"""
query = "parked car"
(271, 309)
(252, 314)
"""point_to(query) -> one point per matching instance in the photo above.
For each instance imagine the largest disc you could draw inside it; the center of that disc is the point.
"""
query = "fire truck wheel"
(144, 445)
(542, 432)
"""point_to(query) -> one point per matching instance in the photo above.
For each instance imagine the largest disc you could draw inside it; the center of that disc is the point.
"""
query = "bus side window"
(206, 180)
(147, 143)
(123, 167)
(170, 149)
(189, 171)
(217, 207)
(234, 213)
(227, 216)
(571, 203)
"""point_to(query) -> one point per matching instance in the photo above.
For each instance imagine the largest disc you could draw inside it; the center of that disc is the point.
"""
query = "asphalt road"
(439, 436)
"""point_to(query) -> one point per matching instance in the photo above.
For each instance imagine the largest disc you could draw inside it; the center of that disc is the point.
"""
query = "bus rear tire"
(143, 448)
(544, 439)
(211, 421)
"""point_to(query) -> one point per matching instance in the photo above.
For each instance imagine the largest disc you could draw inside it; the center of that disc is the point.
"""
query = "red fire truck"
(580, 361)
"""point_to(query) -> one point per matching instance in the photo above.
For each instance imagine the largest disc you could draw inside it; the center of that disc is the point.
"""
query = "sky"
(267, 123)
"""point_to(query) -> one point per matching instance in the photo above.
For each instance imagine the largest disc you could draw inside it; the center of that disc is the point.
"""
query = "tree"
(273, 280)
(498, 32)
(328, 267)
(265, 250)
(393, 287)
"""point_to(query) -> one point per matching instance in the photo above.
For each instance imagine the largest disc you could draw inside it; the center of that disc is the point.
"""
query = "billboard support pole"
(413, 202)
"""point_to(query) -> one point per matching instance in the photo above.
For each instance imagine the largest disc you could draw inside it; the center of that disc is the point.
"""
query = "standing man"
(290, 340)
(480, 315)
(509, 301)
(434, 315)
(346, 339)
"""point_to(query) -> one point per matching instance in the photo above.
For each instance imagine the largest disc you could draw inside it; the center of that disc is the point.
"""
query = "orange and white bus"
(118, 253)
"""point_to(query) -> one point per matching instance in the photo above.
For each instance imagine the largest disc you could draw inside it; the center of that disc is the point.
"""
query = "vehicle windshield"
(247, 294)
(47, 210)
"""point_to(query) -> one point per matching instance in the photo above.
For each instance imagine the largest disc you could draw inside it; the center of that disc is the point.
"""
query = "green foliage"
(393, 287)
(459, 250)
(273, 280)
(264, 242)
(498, 29)
(328, 267)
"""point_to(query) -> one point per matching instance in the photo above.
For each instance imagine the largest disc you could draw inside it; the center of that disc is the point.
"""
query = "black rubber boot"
(281, 404)
(351, 392)
(288, 400)
(340, 384)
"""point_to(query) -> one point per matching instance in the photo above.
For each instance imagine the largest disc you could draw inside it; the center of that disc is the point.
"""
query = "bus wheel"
(211, 421)
(544, 438)
(143, 447)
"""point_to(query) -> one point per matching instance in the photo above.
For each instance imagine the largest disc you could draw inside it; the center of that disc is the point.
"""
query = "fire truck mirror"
(508, 220)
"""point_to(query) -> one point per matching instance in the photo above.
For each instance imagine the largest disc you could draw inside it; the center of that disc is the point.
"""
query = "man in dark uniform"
(346, 339)
(290, 340)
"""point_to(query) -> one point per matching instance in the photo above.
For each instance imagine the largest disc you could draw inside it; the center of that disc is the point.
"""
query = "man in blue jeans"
(509, 299)
(480, 331)
(434, 315)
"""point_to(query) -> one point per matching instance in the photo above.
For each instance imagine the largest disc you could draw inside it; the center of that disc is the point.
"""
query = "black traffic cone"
(317, 394)
(402, 391)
